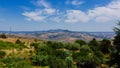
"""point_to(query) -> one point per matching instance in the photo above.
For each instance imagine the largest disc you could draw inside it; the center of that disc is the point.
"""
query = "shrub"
(18, 41)
(2, 54)
(81, 42)
(55, 62)
(60, 54)
(72, 46)
(3, 36)
(56, 45)
(40, 60)
(15, 62)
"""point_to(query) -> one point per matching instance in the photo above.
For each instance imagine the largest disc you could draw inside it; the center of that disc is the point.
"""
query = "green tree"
(94, 45)
(3, 36)
(40, 60)
(87, 58)
(93, 42)
(72, 46)
(60, 54)
(105, 46)
(81, 42)
(55, 45)
(115, 56)
(69, 61)
(55, 62)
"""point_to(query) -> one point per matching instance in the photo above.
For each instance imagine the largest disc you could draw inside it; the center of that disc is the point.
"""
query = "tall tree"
(105, 45)
(93, 44)
(115, 56)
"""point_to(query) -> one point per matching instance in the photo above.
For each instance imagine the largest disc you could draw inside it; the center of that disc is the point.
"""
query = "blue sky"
(75, 15)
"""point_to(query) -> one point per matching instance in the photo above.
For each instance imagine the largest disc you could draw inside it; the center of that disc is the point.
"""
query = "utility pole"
(10, 30)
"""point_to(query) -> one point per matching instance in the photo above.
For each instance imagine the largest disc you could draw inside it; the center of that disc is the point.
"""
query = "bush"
(15, 62)
(81, 42)
(18, 41)
(72, 46)
(3, 36)
(2, 54)
(55, 45)
(40, 60)
(60, 54)
(19, 44)
(55, 62)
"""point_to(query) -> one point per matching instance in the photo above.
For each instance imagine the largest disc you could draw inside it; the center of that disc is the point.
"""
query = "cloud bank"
(104, 14)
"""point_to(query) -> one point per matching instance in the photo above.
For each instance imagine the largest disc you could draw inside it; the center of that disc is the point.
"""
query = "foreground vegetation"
(49, 54)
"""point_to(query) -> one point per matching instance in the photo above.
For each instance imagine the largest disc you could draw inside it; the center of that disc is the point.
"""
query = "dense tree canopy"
(115, 56)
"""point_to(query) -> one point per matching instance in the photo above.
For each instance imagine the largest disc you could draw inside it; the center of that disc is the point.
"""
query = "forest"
(51, 54)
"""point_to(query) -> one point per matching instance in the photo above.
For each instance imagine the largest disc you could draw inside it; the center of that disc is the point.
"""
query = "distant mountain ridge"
(63, 35)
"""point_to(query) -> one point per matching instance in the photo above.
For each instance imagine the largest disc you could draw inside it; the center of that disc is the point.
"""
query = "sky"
(75, 15)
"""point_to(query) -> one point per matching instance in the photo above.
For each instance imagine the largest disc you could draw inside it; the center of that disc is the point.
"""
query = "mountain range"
(62, 35)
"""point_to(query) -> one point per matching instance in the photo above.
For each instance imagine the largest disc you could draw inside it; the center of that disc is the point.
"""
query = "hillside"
(62, 35)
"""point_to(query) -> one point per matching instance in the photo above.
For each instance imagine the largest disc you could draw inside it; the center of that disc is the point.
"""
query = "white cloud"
(77, 2)
(74, 2)
(36, 16)
(40, 14)
(76, 16)
(43, 3)
(108, 13)
(56, 19)
(49, 10)
(102, 19)
(115, 4)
